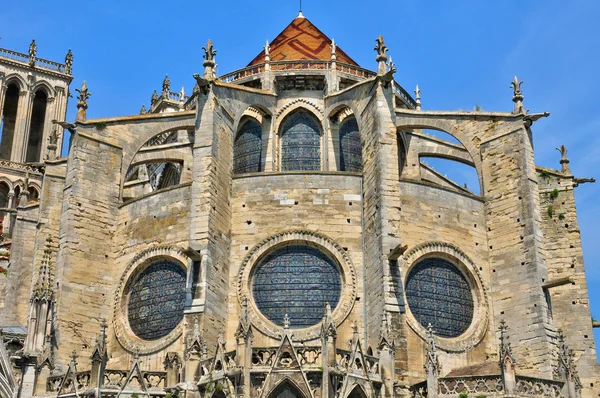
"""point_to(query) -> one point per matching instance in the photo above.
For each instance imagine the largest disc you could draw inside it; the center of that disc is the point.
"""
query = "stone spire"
(143, 111)
(328, 328)
(381, 58)
(385, 335)
(32, 53)
(564, 161)
(517, 96)
(154, 98)
(82, 105)
(244, 327)
(69, 63)
(209, 61)
(418, 97)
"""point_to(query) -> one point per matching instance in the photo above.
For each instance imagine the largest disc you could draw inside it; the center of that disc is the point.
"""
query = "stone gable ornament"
(564, 161)
(517, 95)
(82, 105)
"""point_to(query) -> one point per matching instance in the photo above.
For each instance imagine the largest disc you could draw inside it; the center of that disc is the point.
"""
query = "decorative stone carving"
(507, 360)
(82, 105)
(154, 98)
(564, 161)
(166, 87)
(567, 370)
(32, 53)
(517, 96)
(69, 63)
(381, 49)
(418, 98)
(143, 111)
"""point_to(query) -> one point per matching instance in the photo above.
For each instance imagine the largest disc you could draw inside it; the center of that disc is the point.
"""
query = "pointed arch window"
(300, 143)
(350, 147)
(9, 119)
(36, 129)
(286, 390)
(247, 149)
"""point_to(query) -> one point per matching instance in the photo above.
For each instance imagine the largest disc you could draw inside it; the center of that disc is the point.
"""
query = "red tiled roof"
(301, 40)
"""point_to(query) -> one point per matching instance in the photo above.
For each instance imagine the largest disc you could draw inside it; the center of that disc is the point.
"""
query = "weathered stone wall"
(88, 222)
(265, 205)
(569, 301)
(20, 274)
(433, 214)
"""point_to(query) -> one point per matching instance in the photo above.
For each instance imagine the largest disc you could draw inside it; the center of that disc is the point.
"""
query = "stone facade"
(151, 266)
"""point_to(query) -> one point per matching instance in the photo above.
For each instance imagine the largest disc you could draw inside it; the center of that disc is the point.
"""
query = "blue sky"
(461, 53)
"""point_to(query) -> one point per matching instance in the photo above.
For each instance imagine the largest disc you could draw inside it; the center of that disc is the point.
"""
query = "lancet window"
(247, 148)
(350, 147)
(300, 143)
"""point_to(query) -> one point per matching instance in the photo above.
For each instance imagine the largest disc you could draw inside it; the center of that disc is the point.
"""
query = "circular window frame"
(125, 335)
(316, 240)
(479, 323)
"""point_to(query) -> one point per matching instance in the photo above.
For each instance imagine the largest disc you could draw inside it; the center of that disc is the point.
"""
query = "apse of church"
(277, 232)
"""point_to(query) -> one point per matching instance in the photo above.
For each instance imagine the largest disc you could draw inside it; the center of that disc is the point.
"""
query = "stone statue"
(32, 52)
(166, 86)
(69, 63)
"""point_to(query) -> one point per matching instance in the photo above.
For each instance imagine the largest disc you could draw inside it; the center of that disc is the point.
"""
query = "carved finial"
(136, 354)
(53, 138)
(517, 95)
(391, 64)
(32, 53)
(209, 52)
(418, 97)
(328, 328)
(154, 98)
(69, 63)
(267, 50)
(82, 105)
(73, 358)
(182, 94)
(385, 339)
(166, 87)
(209, 61)
(355, 328)
(381, 49)
(567, 370)
(564, 161)
(143, 111)
(243, 329)
(505, 349)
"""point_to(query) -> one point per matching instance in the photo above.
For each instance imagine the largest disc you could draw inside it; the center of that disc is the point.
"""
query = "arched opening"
(286, 390)
(9, 120)
(401, 153)
(34, 195)
(4, 190)
(450, 173)
(350, 147)
(247, 148)
(357, 392)
(300, 142)
(36, 127)
(219, 393)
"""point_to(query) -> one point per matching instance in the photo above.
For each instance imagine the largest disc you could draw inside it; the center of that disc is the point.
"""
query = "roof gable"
(301, 40)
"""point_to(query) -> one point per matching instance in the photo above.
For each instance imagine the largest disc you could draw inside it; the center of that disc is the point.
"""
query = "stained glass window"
(156, 300)
(350, 148)
(300, 143)
(296, 280)
(247, 148)
(438, 293)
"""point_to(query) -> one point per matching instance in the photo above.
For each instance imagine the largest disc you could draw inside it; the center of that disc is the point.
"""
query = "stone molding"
(322, 242)
(125, 336)
(476, 331)
(300, 103)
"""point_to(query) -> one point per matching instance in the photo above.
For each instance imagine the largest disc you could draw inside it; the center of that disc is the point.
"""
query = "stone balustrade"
(39, 62)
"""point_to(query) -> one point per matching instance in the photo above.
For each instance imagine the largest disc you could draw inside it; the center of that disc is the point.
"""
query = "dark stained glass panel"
(300, 143)
(438, 293)
(247, 149)
(350, 148)
(156, 300)
(296, 280)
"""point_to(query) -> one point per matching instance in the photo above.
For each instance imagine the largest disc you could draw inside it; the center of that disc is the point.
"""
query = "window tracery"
(247, 149)
(300, 143)
(350, 147)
